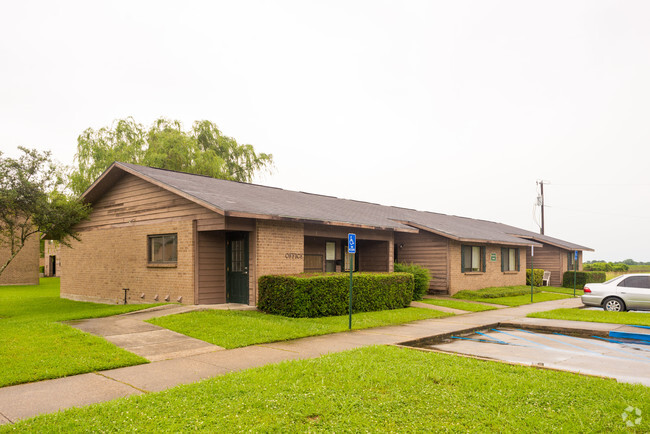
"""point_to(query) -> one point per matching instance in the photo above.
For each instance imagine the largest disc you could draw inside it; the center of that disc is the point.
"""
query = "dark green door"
(237, 267)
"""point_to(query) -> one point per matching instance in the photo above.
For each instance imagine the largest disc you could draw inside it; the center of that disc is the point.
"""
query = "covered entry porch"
(325, 250)
(223, 265)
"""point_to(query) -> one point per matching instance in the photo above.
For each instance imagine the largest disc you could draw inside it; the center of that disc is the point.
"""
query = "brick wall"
(23, 270)
(107, 260)
(279, 248)
(493, 275)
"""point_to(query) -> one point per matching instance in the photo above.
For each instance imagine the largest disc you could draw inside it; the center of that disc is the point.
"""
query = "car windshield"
(615, 279)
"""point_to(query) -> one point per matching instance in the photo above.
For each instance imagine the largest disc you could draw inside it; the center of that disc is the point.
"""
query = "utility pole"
(540, 202)
(541, 229)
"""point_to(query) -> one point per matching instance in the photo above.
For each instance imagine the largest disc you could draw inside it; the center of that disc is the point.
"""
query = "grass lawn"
(380, 388)
(495, 292)
(568, 291)
(631, 318)
(519, 300)
(457, 304)
(512, 295)
(34, 346)
(233, 329)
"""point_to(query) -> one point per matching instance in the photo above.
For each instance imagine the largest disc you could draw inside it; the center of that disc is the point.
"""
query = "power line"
(599, 213)
(597, 185)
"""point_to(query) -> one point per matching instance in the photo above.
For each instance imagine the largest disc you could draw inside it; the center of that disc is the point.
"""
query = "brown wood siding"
(133, 200)
(373, 255)
(428, 250)
(337, 232)
(314, 247)
(212, 267)
(549, 258)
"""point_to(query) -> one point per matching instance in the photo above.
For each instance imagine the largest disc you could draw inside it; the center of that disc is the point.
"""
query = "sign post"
(352, 249)
(532, 272)
(575, 271)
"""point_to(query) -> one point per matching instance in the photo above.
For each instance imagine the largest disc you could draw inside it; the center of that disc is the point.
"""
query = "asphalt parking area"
(626, 360)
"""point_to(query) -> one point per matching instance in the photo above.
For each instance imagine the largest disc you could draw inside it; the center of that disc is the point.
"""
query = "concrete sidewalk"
(154, 343)
(28, 400)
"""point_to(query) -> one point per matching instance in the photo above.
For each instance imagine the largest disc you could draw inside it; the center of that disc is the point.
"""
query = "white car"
(625, 292)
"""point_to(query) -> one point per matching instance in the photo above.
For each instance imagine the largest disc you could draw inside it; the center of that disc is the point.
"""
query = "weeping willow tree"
(202, 150)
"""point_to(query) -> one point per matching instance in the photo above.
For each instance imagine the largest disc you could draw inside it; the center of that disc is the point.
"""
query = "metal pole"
(350, 308)
(575, 271)
(541, 230)
(532, 271)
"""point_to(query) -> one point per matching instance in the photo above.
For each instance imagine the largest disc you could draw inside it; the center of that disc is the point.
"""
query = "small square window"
(163, 249)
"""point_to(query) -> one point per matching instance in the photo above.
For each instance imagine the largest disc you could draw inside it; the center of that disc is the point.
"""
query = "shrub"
(537, 280)
(496, 292)
(605, 266)
(41, 268)
(582, 277)
(310, 296)
(421, 278)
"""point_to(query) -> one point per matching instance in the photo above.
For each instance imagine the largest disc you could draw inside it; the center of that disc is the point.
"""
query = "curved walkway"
(204, 361)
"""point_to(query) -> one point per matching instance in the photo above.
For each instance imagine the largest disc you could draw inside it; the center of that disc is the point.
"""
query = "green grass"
(495, 292)
(639, 269)
(457, 304)
(513, 295)
(631, 318)
(233, 329)
(34, 346)
(385, 388)
(568, 291)
(519, 300)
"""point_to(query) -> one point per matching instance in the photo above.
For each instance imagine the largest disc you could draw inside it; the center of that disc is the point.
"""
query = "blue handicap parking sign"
(352, 243)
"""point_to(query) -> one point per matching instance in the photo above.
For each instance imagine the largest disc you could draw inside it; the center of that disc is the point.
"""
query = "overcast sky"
(448, 106)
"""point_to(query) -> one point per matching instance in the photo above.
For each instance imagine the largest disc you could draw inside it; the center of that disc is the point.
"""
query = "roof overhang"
(469, 240)
(316, 221)
(551, 243)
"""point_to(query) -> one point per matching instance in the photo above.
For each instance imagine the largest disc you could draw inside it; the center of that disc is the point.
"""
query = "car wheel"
(614, 304)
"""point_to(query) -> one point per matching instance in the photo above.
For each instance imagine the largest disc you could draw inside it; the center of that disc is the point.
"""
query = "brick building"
(52, 259)
(23, 270)
(193, 239)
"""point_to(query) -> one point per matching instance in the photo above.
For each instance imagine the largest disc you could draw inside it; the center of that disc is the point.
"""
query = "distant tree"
(32, 201)
(202, 150)
(629, 262)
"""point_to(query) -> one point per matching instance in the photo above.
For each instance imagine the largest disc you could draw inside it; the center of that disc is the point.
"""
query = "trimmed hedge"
(537, 280)
(311, 296)
(421, 277)
(582, 277)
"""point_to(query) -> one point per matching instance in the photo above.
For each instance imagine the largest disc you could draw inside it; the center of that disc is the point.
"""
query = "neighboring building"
(556, 256)
(52, 259)
(175, 236)
(23, 270)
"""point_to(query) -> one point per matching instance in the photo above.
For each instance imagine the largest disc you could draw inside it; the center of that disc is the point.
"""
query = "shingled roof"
(238, 199)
